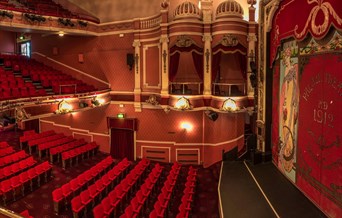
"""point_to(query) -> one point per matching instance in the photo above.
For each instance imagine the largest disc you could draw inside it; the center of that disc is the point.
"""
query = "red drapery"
(215, 66)
(122, 143)
(239, 52)
(198, 62)
(173, 68)
(197, 56)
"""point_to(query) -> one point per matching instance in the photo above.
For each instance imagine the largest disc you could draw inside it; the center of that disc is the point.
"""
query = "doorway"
(25, 49)
(122, 143)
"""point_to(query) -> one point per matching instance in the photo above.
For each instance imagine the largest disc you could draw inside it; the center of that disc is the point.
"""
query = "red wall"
(160, 130)
(7, 41)
(104, 56)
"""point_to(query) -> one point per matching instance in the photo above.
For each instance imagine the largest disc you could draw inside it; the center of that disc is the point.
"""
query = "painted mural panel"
(288, 110)
(319, 162)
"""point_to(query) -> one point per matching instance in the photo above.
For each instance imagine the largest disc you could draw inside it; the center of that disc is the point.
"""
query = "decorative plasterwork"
(321, 7)
(313, 47)
(184, 41)
(152, 99)
(229, 40)
(269, 11)
(145, 48)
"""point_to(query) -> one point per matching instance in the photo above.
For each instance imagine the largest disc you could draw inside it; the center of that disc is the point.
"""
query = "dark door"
(122, 143)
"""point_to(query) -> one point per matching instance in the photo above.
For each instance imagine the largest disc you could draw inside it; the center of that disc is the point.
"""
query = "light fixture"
(182, 104)
(186, 126)
(61, 34)
(97, 101)
(229, 105)
(64, 107)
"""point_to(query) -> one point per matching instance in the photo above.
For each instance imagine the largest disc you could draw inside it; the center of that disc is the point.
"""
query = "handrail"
(184, 89)
(9, 213)
(218, 85)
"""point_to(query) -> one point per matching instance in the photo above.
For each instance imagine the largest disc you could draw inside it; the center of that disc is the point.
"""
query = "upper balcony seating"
(19, 71)
(45, 7)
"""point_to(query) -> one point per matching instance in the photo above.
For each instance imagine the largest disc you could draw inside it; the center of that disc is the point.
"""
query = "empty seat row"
(6, 151)
(11, 188)
(136, 206)
(85, 151)
(167, 193)
(57, 151)
(63, 195)
(4, 144)
(188, 194)
(50, 144)
(26, 138)
(12, 158)
(89, 198)
(34, 143)
(10, 170)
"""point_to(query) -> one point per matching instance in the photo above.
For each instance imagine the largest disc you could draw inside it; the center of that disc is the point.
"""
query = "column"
(206, 7)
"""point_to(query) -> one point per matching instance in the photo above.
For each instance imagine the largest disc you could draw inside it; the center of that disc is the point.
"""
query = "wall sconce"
(186, 126)
(63, 107)
(182, 104)
(229, 105)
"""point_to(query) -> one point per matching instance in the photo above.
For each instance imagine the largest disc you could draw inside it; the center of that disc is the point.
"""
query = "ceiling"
(118, 10)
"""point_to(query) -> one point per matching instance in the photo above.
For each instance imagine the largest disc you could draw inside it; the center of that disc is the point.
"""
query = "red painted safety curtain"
(314, 18)
(198, 62)
(215, 66)
(173, 68)
(122, 143)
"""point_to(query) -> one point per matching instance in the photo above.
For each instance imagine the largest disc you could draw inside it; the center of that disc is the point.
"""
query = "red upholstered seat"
(58, 199)
(77, 206)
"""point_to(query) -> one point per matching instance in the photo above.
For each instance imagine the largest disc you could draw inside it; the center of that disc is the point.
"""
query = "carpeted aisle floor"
(39, 202)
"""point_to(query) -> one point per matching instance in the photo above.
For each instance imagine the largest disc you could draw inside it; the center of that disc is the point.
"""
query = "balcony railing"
(229, 89)
(186, 88)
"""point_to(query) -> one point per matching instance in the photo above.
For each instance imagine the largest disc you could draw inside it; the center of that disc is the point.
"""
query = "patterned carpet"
(39, 202)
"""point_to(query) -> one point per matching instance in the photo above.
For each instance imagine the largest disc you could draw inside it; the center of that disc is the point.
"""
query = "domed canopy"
(229, 8)
(186, 10)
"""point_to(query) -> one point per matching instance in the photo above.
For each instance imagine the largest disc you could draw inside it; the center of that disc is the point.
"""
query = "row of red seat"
(135, 208)
(44, 147)
(188, 194)
(116, 197)
(4, 144)
(34, 143)
(26, 214)
(167, 193)
(61, 196)
(12, 158)
(89, 198)
(57, 151)
(22, 93)
(6, 151)
(33, 136)
(73, 155)
(10, 170)
(10, 188)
